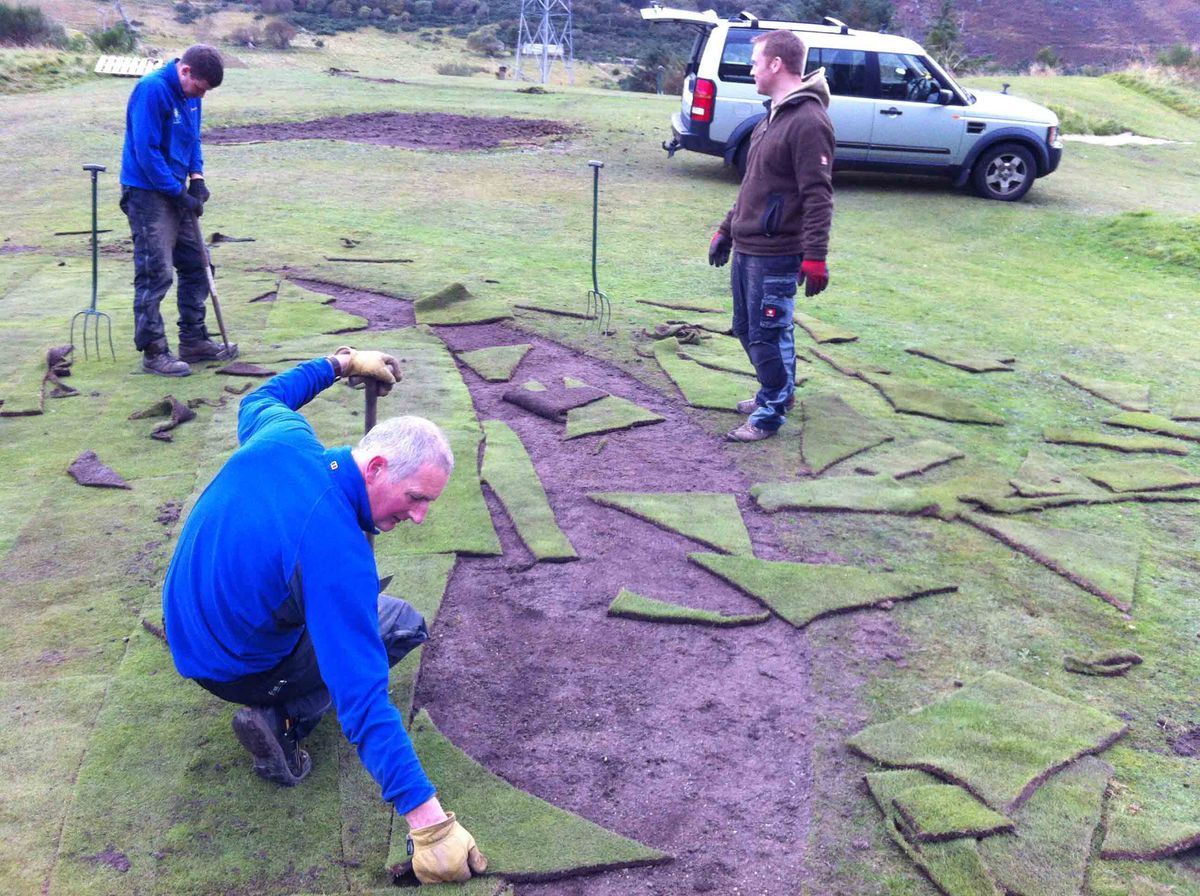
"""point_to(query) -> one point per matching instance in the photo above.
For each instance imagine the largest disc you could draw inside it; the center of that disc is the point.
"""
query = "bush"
(185, 13)
(276, 7)
(244, 37)
(1047, 57)
(1072, 121)
(279, 34)
(644, 76)
(1177, 56)
(26, 26)
(117, 39)
(486, 41)
(458, 69)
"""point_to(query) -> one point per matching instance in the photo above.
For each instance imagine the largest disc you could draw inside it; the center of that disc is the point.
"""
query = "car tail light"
(1052, 135)
(704, 97)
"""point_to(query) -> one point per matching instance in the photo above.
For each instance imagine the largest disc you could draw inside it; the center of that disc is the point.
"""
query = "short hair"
(408, 443)
(787, 45)
(206, 64)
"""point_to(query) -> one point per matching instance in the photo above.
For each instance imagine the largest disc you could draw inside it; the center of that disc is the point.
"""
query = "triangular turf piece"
(935, 812)
(998, 736)
(523, 837)
(1186, 410)
(834, 431)
(634, 606)
(1099, 564)
(1155, 812)
(712, 519)
(497, 363)
(912, 397)
(1043, 476)
(970, 360)
(701, 386)
(455, 304)
(1155, 423)
(606, 415)
(1127, 396)
(866, 494)
(822, 332)
(912, 459)
(719, 353)
(1048, 855)
(1140, 476)
(802, 592)
(1149, 444)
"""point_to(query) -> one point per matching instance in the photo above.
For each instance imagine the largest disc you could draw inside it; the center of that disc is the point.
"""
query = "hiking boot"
(163, 363)
(206, 350)
(748, 432)
(747, 406)
(266, 734)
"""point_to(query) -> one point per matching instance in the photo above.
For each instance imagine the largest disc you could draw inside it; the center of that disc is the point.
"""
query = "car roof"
(832, 36)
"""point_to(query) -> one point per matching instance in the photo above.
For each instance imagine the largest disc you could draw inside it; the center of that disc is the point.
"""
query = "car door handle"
(892, 111)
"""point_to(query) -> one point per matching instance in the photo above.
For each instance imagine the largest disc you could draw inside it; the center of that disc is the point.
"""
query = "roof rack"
(837, 23)
(745, 16)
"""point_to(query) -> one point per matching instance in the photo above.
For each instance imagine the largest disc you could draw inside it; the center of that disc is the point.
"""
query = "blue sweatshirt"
(162, 134)
(276, 543)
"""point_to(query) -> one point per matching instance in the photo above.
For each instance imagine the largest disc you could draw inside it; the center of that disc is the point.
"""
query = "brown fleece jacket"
(785, 204)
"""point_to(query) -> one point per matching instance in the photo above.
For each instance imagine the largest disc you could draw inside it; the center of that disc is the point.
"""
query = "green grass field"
(1094, 273)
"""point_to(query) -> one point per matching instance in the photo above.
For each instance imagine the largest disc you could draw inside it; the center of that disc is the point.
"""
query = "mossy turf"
(934, 812)
(523, 837)
(631, 605)
(1140, 476)
(719, 353)
(998, 736)
(970, 360)
(800, 593)
(1105, 663)
(1127, 396)
(910, 459)
(510, 473)
(712, 306)
(1048, 855)
(953, 866)
(701, 386)
(1043, 476)
(298, 312)
(496, 364)
(822, 332)
(913, 397)
(1154, 809)
(865, 494)
(1062, 435)
(1186, 411)
(1155, 423)
(609, 414)
(455, 304)
(712, 519)
(1102, 565)
(834, 431)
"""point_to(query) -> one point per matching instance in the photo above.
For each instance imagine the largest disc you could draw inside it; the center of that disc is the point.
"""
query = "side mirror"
(945, 97)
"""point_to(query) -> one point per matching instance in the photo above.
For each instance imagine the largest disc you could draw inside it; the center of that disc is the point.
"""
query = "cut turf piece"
(168, 406)
(709, 518)
(497, 363)
(822, 332)
(863, 494)
(840, 363)
(703, 306)
(1155, 423)
(935, 812)
(606, 415)
(242, 368)
(634, 606)
(966, 359)
(954, 866)
(912, 459)
(523, 837)
(555, 310)
(1140, 476)
(510, 473)
(1155, 812)
(1099, 564)
(802, 592)
(298, 312)
(553, 402)
(455, 304)
(1061, 435)
(1011, 505)
(702, 387)
(1186, 411)
(1127, 396)
(1107, 663)
(998, 736)
(912, 397)
(1049, 854)
(834, 431)
(719, 353)
(88, 469)
(1043, 476)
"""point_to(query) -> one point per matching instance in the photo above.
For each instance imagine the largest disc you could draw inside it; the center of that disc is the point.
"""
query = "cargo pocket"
(778, 302)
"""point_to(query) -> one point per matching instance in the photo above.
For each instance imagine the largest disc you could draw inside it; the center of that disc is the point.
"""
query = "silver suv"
(893, 107)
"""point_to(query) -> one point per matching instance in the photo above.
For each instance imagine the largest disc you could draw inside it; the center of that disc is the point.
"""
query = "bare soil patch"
(411, 130)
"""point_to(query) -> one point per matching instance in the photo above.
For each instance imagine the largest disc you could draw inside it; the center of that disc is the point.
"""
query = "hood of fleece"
(813, 86)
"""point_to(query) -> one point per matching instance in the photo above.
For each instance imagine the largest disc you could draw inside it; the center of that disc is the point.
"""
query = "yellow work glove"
(445, 853)
(359, 366)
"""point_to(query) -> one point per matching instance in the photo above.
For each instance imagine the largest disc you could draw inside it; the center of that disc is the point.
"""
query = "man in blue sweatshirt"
(272, 596)
(162, 194)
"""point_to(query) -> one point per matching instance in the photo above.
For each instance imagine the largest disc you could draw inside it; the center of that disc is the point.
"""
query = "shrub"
(185, 13)
(1072, 121)
(1047, 57)
(276, 7)
(25, 26)
(486, 41)
(244, 37)
(117, 39)
(279, 34)
(1177, 56)
(458, 69)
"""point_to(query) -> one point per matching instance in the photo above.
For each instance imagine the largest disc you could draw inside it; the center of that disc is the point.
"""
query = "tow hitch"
(671, 147)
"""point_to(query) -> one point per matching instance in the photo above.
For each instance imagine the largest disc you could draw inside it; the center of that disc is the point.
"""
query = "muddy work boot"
(161, 362)
(748, 432)
(266, 734)
(747, 406)
(207, 350)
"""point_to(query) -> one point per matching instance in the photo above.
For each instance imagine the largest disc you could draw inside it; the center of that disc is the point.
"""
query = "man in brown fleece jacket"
(779, 224)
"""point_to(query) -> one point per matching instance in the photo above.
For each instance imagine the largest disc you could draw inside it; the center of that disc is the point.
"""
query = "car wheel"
(1004, 172)
(739, 157)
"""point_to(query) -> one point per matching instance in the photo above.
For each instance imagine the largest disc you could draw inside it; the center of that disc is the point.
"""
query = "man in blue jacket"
(272, 596)
(162, 194)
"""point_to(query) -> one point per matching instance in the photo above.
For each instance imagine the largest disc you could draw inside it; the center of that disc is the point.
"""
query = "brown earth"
(411, 130)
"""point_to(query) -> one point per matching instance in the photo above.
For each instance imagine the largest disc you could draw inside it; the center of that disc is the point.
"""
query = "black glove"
(189, 203)
(718, 250)
(197, 188)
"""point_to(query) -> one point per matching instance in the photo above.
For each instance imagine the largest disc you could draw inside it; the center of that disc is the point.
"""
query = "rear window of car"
(735, 56)
(845, 70)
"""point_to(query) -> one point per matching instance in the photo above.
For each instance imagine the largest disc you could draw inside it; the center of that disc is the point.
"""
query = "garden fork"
(92, 317)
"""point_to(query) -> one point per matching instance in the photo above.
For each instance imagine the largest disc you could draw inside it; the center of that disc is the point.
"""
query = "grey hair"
(408, 443)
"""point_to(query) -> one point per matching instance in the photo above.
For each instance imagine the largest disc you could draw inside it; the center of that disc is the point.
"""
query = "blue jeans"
(764, 299)
(295, 683)
(164, 238)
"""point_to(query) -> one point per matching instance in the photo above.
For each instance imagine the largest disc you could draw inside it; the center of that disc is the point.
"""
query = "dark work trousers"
(295, 683)
(164, 238)
(764, 299)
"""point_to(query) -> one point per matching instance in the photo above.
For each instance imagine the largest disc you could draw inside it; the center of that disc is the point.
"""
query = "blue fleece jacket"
(276, 543)
(162, 134)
